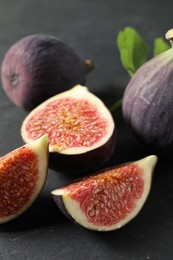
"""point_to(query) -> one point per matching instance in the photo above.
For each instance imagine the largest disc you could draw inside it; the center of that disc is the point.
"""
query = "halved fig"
(22, 176)
(109, 199)
(80, 129)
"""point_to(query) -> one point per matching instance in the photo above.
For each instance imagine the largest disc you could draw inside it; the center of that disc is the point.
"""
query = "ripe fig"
(80, 129)
(22, 176)
(38, 67)
(109, 199)
(148, 102)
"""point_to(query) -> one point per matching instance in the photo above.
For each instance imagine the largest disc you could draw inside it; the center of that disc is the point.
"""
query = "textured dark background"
(90, 27)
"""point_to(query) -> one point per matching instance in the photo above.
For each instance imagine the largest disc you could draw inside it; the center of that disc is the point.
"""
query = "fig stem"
(116, 105)
(89, 65)
(169, 36)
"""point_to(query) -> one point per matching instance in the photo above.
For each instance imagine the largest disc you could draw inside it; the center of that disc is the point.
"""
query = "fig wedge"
(22, 176)
(110, 198)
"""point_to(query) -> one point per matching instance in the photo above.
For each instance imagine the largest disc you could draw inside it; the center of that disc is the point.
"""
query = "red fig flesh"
(22, 176)
(109, 199)
(80, 129)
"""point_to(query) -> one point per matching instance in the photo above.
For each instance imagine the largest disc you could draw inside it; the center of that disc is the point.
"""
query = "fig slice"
(110, 198)
(23, 173)
(80, 129)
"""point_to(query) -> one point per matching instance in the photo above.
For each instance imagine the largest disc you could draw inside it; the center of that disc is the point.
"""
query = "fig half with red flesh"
(80, 129)
(109, 199)
(22, 176)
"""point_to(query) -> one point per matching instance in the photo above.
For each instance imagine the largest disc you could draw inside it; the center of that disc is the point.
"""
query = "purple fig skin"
(58, 201)
(83, 163)
(148, 104)
(38, 67)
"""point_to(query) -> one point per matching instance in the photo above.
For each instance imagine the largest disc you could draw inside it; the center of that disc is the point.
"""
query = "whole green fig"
(148, 102)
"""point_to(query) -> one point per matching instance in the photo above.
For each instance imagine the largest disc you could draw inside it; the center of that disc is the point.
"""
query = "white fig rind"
(40, 147)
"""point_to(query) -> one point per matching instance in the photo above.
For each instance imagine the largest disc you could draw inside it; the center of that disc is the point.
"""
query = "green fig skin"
(148, 104)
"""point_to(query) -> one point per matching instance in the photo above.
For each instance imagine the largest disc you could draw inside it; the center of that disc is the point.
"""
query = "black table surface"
(90, 27)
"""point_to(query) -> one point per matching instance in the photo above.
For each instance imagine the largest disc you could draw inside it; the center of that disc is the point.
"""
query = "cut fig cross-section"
(110, 198)
(23, 173)
(80, 129)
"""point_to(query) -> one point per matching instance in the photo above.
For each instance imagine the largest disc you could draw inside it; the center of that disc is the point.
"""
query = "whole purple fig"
(38, 67)
(148, 102)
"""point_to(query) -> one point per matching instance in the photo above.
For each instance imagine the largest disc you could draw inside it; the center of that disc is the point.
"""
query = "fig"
(23, 173)
(80, 129)
(148, 103)
(39, 66)
(108, 199)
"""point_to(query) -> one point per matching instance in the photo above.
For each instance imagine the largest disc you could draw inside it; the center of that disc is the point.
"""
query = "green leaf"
(160, 45)
(133, 49)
